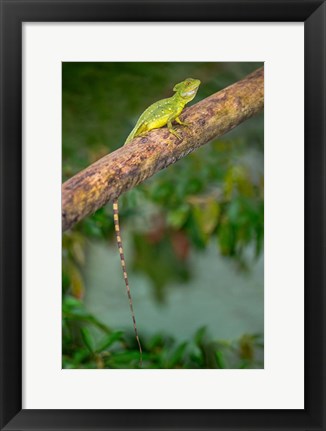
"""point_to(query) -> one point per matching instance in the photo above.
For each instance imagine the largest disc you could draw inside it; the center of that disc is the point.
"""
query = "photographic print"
(163, 215)
(169, 257)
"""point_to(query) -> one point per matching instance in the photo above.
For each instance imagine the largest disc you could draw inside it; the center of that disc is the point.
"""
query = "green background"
(193, 233)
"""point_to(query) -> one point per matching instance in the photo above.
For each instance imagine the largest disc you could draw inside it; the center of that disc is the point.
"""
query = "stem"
(132, 164)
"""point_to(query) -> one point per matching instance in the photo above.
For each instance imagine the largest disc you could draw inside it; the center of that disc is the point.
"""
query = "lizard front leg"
(181, 122)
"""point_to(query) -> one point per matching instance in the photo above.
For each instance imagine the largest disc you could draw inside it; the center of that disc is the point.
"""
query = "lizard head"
(187, 89)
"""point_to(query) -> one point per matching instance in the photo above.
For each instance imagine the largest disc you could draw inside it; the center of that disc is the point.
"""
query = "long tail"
(125, 276)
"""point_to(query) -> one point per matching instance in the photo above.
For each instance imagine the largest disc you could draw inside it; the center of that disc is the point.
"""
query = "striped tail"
(125, 276)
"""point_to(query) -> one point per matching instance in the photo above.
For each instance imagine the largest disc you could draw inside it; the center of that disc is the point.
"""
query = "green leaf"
(87, 339)
(76, 280)
(178, 355)
(126, 357)
(210, 212)
(220, 359)
(200, 335)
(73, 309)
(177, 218)
(226, 238)
(109, 340)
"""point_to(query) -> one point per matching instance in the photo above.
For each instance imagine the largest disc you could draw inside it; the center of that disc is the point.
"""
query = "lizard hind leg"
(172, 130)
(125, 275)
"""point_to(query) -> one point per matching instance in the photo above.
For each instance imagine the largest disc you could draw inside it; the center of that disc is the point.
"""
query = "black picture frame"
(13, 14)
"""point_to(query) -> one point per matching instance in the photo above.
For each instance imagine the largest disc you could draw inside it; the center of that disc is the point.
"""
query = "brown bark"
(128, 166)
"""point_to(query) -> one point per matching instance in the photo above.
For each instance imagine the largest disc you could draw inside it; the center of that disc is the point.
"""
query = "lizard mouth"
(189, 93)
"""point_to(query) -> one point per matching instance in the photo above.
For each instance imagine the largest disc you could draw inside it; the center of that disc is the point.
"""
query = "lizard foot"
(176, 134)
(182, 123)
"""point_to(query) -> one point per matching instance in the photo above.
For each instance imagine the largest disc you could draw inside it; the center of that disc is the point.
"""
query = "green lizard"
(157, 115)
(165, 111)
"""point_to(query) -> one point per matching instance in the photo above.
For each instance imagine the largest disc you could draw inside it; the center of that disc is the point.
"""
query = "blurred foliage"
(114, 349)
(213, 195)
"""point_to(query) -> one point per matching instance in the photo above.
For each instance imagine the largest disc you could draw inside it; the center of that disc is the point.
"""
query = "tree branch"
(132, 164)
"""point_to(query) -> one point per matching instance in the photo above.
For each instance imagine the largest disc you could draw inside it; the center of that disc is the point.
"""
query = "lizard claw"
(176, 134)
